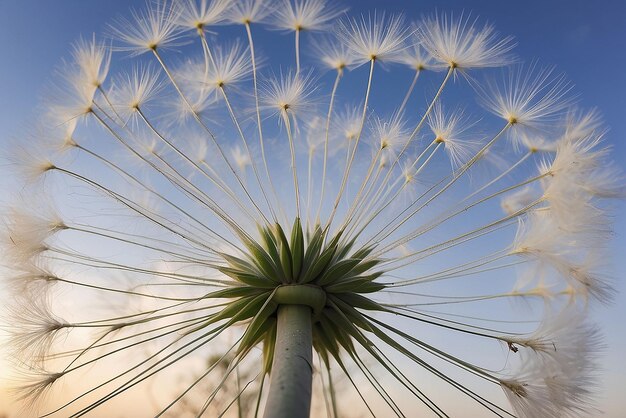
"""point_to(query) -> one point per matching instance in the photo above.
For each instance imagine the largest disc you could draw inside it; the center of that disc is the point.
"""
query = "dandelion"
(305, 15)
(260, 240)
(448, 130)
(202, 15)
(528, 98)
(151, 28)
(249, 11)
(376, 38)
(333, 54)
(93, 61)
(458, 43)
(135, 90)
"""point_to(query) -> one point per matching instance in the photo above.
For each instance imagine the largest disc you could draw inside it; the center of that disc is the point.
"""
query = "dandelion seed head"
(514, 202)
(388, 134)
(557, 373)
(414, 56)
(375, 38)
(290, 93)
(458, 43)
(348, 123)
(203, 14)
(93, 60)
(309, 15)
(34, 325)
(333, 54)
(148, 29)
(242, 159)
(250, 11)
(135, 90)
(33, 386)
(450, 129)
(231, 65)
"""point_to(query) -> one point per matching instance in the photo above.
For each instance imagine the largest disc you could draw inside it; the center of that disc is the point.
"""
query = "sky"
(583, 39)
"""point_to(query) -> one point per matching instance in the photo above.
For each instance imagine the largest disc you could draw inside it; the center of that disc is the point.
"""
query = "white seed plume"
(458, 43)
(93, 60)
(306, 15)
(333, 53)
(250, 11)
(231, 66)
(558, 372)
(528, 97)
(242, 159)
(34, 326)
(388, 134)
(291, 93)
(149, 29)
(450, 129)
(203, 14)
(518, 200)
(414, 55)
(136, 89)
(377, 37)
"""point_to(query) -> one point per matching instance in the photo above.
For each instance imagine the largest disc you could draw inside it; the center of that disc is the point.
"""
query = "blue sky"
(583, 39)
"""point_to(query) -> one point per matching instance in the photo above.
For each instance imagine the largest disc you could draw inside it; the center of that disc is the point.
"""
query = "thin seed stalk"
(292, 372)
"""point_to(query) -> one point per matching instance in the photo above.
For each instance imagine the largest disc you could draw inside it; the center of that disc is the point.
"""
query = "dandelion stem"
(463, 169)
(292, 149)
(258, 116)
(245, 143)
(208, 131)
(346, 172)
(297, 51)
(419, 126)
(292, 370)
(499, 177)
(330, 111)
(409, 91)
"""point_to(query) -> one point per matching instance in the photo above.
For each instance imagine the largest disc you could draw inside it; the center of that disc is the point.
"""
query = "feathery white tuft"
(415, 56)
(290, 93)
(93, 60)
(203, 14)
(333, 53)
(135, 89)
(152, 28)
(457, 43)
(250, 11)
(450, 129)
(309, 15)
(377, 37)
(558, 369)
(528, 97)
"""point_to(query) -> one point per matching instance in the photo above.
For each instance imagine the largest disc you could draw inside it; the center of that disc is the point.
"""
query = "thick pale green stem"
(292, 369)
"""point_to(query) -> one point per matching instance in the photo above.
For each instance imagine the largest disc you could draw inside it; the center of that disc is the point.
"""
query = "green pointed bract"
(250, 279)
(354, 284)
(318, 265)
(271, 245)
(316, 239)
(361, 302)
(262, 260)
(285, 253)
(258, 326)
(337, 271)
(235, 292)
(242, 308)
(297, 248)
(323, 272)
(269, 344)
